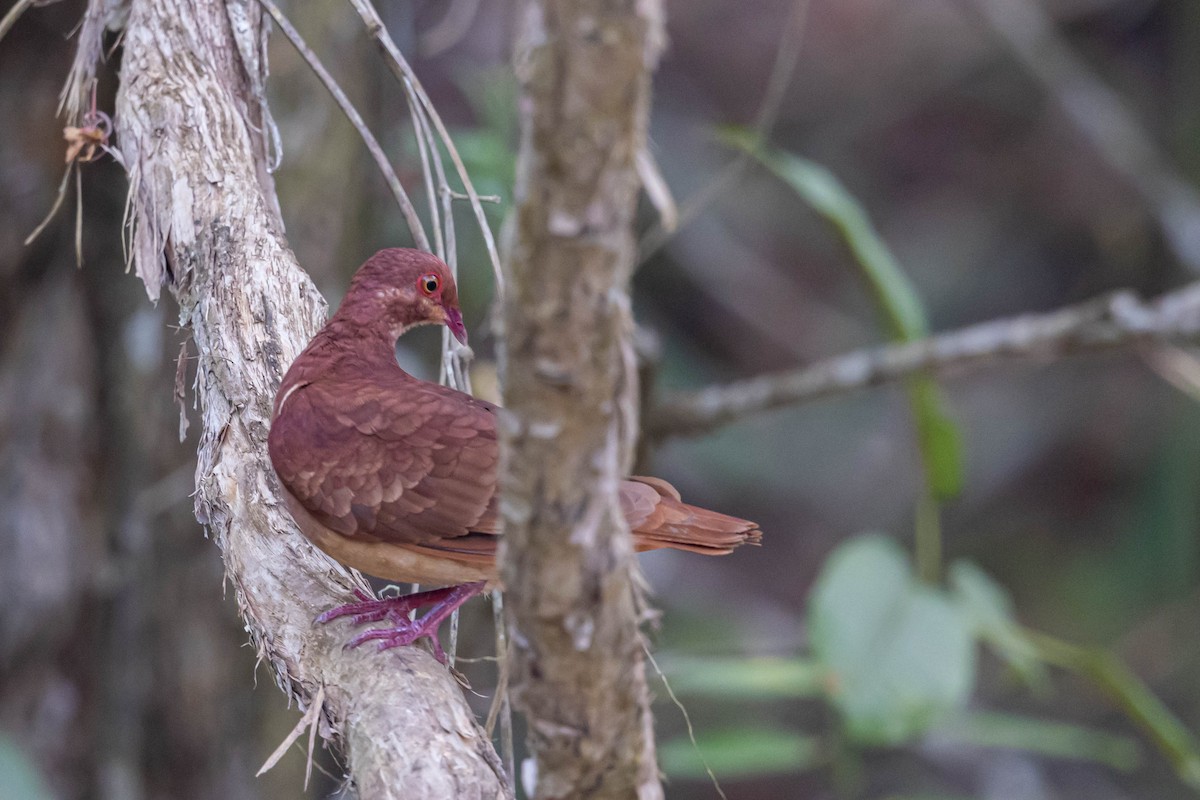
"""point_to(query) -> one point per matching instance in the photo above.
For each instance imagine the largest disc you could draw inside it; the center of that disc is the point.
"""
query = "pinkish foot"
(395, 610)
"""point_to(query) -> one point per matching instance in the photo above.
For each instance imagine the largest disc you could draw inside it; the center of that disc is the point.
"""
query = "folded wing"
(415, 464)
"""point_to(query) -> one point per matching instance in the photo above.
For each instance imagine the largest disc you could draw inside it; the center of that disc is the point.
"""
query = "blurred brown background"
(122, 673)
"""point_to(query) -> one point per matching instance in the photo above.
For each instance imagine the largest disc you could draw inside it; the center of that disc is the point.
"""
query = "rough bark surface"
(570, 392)
(204, 222)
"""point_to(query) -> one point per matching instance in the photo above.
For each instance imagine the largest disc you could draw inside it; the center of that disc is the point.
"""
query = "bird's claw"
(395, 610)
(402, 635)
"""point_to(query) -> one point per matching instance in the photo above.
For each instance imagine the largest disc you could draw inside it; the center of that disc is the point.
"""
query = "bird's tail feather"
(679, 526)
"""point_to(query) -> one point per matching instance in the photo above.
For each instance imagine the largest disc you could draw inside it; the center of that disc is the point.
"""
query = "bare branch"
(1104, 323)
(381, 160)
(201, 196)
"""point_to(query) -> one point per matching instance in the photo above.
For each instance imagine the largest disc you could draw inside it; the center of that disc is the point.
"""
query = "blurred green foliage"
(897, 660)
(19, 778)
(900, 654)
(488, 148)
(739, 753)
(939, 438)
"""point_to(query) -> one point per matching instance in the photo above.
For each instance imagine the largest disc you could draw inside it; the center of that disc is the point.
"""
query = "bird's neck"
(345, 349)
(346, 341)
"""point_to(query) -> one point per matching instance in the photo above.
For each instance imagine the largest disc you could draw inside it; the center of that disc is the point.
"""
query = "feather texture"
(373, 458)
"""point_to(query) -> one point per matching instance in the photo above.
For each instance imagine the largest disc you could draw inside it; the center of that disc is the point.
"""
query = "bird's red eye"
(429, 284)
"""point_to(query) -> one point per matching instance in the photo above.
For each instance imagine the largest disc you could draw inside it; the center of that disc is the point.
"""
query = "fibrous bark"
(570, 394)
(190, 122)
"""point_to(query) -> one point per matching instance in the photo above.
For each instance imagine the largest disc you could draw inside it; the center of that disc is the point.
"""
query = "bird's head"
(400, 288)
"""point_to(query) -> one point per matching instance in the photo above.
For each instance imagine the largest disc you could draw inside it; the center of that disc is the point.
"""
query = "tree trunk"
(570, 393)
(190, 117)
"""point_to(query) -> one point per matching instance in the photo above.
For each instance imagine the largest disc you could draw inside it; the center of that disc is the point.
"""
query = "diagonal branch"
(203, 222)
(1104, 323)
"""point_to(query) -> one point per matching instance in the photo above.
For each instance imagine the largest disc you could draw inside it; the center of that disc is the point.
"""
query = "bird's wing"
(411, 463)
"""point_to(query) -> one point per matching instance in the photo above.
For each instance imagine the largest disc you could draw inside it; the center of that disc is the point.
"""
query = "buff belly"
(393, 562)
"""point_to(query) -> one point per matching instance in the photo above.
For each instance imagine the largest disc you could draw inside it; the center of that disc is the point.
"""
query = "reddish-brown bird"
(396, 476)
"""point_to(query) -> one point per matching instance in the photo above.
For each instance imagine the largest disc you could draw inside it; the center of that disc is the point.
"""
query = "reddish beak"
(454, 322)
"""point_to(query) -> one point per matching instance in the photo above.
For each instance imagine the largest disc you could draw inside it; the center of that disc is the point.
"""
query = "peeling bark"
(204, 222)
(570, 393)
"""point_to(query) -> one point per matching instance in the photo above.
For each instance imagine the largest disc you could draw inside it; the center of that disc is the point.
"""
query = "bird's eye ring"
(429, 284)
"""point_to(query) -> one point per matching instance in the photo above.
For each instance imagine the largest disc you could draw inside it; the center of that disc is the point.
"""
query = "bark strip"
(570, 393)
(203, 221)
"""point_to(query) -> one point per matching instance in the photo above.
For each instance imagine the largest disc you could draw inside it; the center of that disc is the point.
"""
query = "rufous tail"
(679, 526)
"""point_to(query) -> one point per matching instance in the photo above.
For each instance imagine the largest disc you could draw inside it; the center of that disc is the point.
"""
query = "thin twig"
(408, 78)
(787, 55)
(450, 29)
(14, 14)
(1117, 320)
(317, 702)
(687, 720)
(389, 174)
(427, 152)
(308, 720)
(453, 370)
(657, 189)
(58, 201)
(501, 707)
(1101, 115)
(483, 198)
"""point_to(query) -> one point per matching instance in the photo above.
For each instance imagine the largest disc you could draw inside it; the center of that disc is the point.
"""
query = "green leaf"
(746, 679)
(818, 187)
(738, 753)
(900, 654)
(990, 610)
(939, 438)
(1045, 738)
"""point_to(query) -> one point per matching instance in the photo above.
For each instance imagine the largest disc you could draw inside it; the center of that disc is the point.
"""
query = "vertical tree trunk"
(570, 391)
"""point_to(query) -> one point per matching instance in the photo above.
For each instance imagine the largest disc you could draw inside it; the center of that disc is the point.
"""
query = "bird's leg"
(396, 609)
